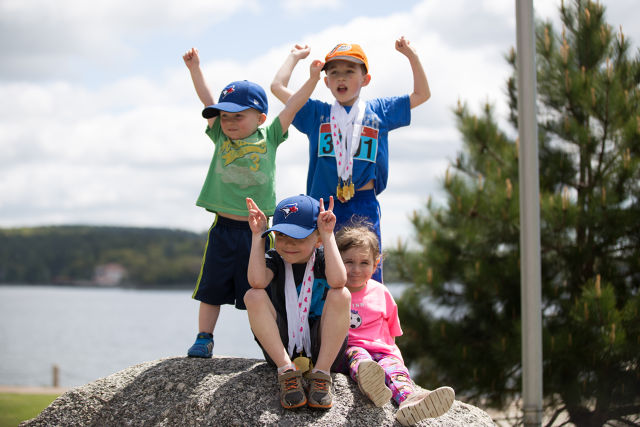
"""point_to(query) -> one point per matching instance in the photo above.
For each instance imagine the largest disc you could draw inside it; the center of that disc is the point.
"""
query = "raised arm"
(297, 100)
(258, 275)
(281, 80)
(334, 268)
(192, 61)
(421, 92)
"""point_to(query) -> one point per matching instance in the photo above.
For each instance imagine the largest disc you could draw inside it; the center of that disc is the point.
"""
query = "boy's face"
(345, 79)
(241, 124)
(296, 251)
(360, 264)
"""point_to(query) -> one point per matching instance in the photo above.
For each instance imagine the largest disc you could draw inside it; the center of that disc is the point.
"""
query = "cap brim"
(292, 230)
(213, 110)
(343, 58)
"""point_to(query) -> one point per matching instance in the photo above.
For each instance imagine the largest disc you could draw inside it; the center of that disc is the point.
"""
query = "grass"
(15, 407)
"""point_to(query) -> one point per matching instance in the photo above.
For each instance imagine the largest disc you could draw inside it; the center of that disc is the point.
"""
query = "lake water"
(90, 333)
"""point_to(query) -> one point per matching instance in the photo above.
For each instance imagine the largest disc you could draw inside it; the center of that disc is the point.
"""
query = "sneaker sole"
(317, 406)
(371, 381)
(295, 406)
(433, 405)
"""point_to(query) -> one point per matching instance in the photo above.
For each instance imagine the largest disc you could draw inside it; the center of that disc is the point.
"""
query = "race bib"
(367, 148)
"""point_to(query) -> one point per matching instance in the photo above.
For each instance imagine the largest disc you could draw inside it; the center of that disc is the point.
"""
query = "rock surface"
(180, 391)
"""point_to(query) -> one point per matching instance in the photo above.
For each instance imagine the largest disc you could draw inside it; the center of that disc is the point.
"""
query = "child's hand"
(257, 219)
(191, 58)
(326, 219)
(404, 47)
(316, 68)
(300, 52)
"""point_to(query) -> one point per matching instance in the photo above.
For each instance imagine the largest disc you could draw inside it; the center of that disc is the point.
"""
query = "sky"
(100, 124)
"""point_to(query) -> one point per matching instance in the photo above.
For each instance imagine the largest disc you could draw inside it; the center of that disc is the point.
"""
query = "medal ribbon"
(345, 133)
(298, 306)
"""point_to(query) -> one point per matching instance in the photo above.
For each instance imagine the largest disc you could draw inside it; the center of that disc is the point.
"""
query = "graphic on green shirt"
(234, 150)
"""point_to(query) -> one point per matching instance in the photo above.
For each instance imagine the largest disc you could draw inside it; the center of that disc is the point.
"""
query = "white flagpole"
(529, 217)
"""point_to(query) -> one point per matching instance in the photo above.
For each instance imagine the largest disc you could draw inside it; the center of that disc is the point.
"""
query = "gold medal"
(345, 190)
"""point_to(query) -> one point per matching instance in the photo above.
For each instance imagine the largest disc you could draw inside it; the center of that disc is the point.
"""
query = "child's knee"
(254, 297)
(339, 297)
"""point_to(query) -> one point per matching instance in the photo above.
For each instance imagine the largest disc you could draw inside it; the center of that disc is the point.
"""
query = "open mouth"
(341, 89)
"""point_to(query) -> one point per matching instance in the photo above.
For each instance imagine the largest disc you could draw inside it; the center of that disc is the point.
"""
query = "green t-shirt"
(241, 169)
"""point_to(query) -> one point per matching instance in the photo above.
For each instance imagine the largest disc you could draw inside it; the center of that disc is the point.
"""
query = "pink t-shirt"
(374, 320)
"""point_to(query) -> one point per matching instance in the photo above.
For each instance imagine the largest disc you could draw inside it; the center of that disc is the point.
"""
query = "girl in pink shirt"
(375, 361)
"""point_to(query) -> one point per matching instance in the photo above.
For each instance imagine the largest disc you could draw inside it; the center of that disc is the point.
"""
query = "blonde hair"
(358, 233)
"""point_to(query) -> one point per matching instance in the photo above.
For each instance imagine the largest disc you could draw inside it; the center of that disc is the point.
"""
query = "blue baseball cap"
(296, 216)
(238, 96)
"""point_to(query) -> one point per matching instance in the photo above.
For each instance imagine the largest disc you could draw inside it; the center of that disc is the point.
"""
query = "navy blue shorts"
(223, 274)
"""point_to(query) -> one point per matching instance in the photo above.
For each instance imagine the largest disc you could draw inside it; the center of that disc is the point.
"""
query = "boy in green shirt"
(243, 165)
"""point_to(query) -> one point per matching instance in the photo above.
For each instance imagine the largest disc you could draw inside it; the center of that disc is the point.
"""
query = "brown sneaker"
(320, 395)
(425, 404)
(371, 382)
(291, 391)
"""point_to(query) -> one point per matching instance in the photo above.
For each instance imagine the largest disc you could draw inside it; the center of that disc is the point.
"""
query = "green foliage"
(70, 254)
(15, 408)
(468, 265)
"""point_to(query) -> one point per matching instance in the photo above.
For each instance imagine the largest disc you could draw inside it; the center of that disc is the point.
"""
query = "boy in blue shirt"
(348, 146)
(243, 165)
(306, 312)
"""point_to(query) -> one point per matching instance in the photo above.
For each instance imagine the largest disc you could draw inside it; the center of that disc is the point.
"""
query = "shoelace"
(291, 383)
(320, 385)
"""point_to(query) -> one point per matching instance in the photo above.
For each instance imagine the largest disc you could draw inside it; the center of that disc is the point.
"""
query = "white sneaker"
(371, 382)
(425, 404)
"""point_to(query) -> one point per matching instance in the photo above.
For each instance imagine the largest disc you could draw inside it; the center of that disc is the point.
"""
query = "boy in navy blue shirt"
(306, 313)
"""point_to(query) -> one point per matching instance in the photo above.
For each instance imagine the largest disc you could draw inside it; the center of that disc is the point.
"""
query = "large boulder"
(180, 391)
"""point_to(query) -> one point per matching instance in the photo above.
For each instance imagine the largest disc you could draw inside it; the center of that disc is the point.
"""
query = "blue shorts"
(364, 204)
(223, 274)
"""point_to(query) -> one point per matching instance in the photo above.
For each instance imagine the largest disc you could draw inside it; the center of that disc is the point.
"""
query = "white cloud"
(131, 149)
(299, 6)
(43, 39)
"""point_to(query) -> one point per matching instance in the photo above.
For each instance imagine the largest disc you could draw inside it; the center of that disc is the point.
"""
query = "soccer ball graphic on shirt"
(356, 320)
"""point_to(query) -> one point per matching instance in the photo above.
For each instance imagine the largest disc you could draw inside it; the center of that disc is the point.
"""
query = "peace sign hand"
(326, 219)
(257, 219)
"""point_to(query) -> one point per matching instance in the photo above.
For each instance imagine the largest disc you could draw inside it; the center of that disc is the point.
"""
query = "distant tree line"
(70, 254)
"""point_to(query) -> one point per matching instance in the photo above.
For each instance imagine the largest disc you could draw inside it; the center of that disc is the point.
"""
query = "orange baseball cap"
(347, 52)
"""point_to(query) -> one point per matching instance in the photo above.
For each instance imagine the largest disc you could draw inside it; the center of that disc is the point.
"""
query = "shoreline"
(22, 389)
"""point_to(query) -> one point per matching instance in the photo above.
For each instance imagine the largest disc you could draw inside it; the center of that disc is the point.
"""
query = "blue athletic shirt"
(371, 161)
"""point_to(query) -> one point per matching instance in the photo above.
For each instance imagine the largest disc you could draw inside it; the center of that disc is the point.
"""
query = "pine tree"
(461, 316)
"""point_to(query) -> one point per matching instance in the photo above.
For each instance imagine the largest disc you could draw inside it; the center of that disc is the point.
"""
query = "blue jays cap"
(296, 217)
(238, 96)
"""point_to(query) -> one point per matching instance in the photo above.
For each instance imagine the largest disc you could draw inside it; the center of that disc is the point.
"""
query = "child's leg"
(264, 324)
(262, 318)
(334, 326)
(355, 355)
(369, 375)
(208, 317)
(397, 376)
(217, 283)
